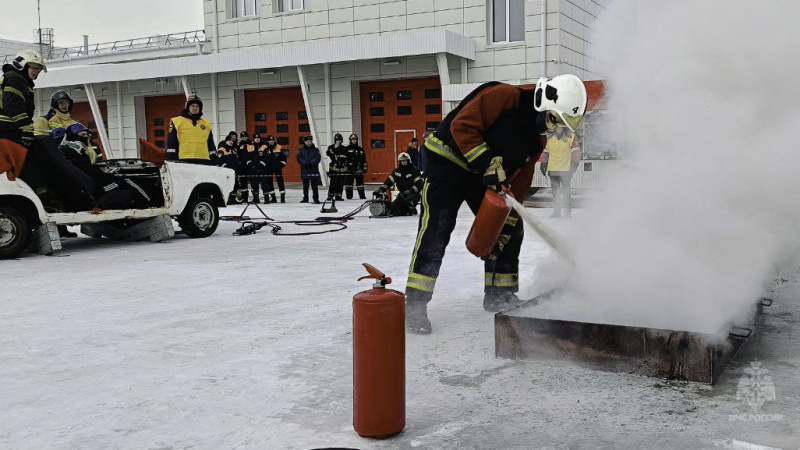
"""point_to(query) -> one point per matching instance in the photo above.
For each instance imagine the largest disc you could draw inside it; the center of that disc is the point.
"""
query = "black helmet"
(338, 137)
(308, 138)
(57, 97)
(270, 138)
(256, 136)
(194, 99)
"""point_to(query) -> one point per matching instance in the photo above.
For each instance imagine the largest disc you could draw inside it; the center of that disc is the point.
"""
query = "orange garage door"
(158, 111)
(281, 113)
(82, 112)
(392, 112)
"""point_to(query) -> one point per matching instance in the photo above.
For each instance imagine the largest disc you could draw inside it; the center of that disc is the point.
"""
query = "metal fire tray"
(653, 352)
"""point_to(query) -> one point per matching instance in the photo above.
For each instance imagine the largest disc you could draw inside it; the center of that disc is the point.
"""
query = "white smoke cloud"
(704, 98)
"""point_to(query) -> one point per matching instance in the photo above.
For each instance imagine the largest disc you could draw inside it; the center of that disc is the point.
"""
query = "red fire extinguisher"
(379, 359)
(494, 211)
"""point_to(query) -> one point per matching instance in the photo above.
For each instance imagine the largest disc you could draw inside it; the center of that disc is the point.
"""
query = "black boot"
(361, 194)
(417, 318)
(283, 198)
(272, 198)
(304, 200)
(500, 301)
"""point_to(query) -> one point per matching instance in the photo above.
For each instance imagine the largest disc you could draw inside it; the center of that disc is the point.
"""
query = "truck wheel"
(15, 232)
(200, 218)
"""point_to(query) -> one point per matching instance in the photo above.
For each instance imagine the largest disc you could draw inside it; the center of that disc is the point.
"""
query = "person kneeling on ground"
(409, 182)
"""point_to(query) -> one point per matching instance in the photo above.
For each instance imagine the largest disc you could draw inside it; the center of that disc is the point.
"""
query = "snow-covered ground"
(244, 342)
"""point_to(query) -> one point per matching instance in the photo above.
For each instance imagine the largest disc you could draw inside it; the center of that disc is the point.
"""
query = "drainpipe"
(328, 114)
(543, 33)
(86, 44)
(216, 27)
(120, 125)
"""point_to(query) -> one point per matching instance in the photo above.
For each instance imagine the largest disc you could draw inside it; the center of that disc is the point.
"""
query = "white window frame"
(508, 22)
(280, 5)
(237, 9)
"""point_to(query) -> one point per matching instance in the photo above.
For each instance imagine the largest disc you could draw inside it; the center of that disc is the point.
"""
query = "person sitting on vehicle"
(60, 115)
(190, 138)
(409, 182)
(45, 170)
(111, 192)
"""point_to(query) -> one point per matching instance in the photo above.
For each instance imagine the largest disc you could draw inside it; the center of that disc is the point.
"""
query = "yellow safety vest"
(192, 139)
(559, 152)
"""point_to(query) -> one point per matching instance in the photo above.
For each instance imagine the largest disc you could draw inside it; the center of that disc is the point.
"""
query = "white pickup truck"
(189, 193)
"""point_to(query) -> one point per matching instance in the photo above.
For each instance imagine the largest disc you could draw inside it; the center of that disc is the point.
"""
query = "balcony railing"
(159, 41)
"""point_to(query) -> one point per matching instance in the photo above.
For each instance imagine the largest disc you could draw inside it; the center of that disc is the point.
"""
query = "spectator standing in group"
(562, 156)
(423, 154)
(309, 158)
(276, 161)
(338, 167)
(413, 152)
(227, 157)
(190, 138)
(356, 168)
(257, 168)
(244, 152)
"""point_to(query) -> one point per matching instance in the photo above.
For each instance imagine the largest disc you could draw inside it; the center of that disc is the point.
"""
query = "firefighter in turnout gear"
(227, 157)
(16, 97)
(45, 170)
(257, 168)
(496, 130)
(356, 168)
(338, 167)
(276, 161)
(409, 183)
(60, 115)
(245, 154)
(190, 138)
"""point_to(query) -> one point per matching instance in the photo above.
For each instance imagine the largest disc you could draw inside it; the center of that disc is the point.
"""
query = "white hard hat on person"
(564, 98)
(30, 58)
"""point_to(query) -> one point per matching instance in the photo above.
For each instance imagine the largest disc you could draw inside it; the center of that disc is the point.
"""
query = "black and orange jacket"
(496, 119)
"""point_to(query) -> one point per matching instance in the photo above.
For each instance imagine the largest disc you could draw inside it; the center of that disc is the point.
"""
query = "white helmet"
(29, 58)
(404, 157)
(564, 96)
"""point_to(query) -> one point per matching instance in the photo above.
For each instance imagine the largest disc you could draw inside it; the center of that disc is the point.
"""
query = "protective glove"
(379, 193)
(502, 240)
(27, 137)
(400, 197)
(495, 176)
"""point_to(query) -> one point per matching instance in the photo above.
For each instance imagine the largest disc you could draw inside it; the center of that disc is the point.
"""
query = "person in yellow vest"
(190, 138)
(60, 116)
(562, 155)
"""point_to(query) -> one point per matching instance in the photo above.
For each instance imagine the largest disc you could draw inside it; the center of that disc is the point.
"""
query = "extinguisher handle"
(376, 274)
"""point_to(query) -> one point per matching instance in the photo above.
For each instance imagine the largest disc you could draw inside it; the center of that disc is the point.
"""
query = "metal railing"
(159, 41)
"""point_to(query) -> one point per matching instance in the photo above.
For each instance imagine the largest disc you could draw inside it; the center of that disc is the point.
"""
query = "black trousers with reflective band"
(446, 189)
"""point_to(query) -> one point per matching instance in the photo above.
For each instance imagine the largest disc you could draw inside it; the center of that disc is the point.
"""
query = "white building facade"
(386, 70)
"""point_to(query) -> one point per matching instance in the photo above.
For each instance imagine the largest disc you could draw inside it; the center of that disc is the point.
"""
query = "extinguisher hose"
(337, 223)
(549, 236)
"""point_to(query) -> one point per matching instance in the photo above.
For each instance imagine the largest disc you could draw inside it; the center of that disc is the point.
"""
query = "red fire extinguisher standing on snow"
(379, 359)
